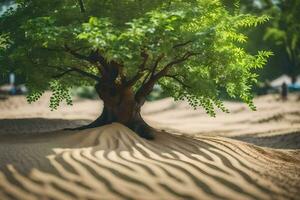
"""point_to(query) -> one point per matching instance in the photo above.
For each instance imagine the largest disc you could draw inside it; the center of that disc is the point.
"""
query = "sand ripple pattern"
(113, 163)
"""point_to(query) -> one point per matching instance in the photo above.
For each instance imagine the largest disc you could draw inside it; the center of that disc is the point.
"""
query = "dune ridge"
(112, 162)
(275, 124)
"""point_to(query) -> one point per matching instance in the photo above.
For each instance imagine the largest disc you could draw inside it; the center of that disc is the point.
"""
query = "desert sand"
(241, 155)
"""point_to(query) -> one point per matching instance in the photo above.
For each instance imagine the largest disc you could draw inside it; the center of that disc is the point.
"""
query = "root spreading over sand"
(111, 162)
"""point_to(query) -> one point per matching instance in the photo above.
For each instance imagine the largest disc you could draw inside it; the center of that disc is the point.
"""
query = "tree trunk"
(120, 106)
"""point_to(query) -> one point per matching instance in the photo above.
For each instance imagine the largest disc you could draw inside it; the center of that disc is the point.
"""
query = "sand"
(242, 155)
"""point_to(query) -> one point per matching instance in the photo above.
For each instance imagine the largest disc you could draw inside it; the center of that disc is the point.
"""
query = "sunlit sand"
(192, 156)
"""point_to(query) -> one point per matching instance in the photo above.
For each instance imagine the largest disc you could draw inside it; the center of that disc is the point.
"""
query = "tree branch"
(145, 57)
(146, 78)
(81, 5)
(71, 69)
(77, 55)
(94, 57)
(160, 57)
(178, 80)
(147, 87)
(185, 57)
(141, 70)
(74, 69)
(182, 44)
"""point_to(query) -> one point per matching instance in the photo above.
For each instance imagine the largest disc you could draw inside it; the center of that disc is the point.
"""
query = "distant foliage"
(198, 43)
(285, 29)
(3, 42)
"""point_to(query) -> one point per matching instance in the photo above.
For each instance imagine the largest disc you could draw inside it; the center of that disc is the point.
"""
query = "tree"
(285, 31)
(281, 34)
(192, 49)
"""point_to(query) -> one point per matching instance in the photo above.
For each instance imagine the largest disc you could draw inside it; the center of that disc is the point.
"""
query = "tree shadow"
(283, 141)
(24, 126)
(113, 162)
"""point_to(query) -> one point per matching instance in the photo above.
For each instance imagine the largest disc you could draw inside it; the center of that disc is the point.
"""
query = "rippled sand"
(196, 160)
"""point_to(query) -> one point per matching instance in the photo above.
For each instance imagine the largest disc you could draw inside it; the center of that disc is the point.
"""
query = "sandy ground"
(241, 155)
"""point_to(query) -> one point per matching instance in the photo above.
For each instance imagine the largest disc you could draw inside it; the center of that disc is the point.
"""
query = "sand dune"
(263, 127)
(112, 162)
(39, 161)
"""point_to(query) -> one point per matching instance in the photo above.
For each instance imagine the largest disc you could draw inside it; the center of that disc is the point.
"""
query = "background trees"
(280, 34)
(285, 32)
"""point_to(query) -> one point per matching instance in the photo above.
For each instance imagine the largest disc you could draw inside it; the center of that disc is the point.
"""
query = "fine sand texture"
(242, 155)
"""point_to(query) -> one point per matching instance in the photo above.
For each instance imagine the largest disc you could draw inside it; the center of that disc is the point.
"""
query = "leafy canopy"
(193, 48)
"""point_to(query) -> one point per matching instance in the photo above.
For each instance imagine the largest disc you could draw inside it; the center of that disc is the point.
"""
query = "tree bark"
(81, 5)
(121, 106)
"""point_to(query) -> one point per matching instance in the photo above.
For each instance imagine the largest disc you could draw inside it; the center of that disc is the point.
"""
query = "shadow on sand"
(112, 162)
(36, 125)
(283, 141)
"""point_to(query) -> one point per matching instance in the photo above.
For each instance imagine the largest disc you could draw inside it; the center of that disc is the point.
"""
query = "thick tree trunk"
(120, 106)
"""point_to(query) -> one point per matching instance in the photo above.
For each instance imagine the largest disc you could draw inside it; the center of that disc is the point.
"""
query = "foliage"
(277, 34)
(192, 48)
(285, 29)
(3, 42)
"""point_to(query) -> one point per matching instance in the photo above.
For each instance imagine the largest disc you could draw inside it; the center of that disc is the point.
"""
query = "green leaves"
(261, 58)
(284, 30)
(33, 96)
(4, 42)
(45, 32)
(156, 31)
(59, 93)
(247, 20)
(124, 31)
